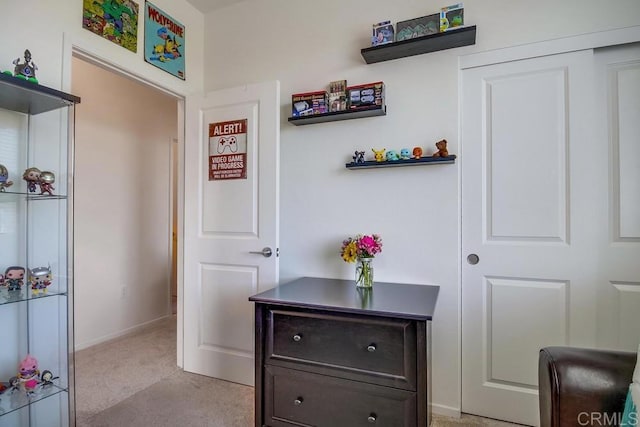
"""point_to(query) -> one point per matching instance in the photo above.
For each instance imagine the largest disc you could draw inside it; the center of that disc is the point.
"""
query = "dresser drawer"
(366, 348)
(303, 399)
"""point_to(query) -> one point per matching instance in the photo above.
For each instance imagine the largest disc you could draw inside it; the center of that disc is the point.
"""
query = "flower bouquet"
(362, 248)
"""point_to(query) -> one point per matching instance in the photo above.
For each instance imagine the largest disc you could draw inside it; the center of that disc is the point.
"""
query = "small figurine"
(14, 384)
(378, 154)
(442, 149)
(40, 278)
(47, 378)
(417, 152)
(29, 374)
(46, 181)
(26, 71)
(358, 156)
(32, 176)
(4, 179)
(14, 278)
(392, 156)
(405, 154)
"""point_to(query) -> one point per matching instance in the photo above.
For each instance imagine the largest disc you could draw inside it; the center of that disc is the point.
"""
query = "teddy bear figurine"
(442, 149)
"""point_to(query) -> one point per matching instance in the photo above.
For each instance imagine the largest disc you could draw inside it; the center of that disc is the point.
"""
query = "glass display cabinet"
(36, 254)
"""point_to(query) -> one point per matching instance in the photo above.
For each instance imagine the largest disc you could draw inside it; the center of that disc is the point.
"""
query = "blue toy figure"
(392, 156)
(405, 154)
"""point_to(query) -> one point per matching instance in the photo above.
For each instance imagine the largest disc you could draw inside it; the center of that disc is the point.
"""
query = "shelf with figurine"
(391, 158)
(36, 180)
(459, 37)
(13, 288)
(438, 31)
(28, 386)
(36, 273)
(22, 93)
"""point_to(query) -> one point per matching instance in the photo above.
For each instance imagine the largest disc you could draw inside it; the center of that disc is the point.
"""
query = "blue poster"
(163, 41)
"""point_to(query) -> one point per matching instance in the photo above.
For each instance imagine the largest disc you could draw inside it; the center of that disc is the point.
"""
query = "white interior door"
(618, 107)
(530, 196)
(231, 210)
(551, 208)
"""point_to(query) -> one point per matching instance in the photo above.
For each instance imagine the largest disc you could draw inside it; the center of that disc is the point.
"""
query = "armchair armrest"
(578, 385)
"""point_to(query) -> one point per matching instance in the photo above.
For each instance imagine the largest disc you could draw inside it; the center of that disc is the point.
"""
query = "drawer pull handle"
(297, 337)
(298, 401)
(372, 418)
(371, 348)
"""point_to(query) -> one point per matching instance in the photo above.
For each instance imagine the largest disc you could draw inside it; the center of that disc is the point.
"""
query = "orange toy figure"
(417, 152)
(379, 154)
(442, 149)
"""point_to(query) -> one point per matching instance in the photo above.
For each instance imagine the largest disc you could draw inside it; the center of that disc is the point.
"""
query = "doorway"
(122, 215)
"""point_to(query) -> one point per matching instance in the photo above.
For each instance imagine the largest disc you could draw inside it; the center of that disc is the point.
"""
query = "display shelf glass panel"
(36, 128)
(15, 400)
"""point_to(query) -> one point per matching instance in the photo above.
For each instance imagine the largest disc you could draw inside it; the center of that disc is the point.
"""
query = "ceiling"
(206, 6)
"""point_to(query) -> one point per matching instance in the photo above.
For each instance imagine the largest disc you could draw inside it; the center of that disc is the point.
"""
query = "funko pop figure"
(29, 374)
(4, 179)
(40, 279)
(14, 278)
(46, 181)
(32, 176)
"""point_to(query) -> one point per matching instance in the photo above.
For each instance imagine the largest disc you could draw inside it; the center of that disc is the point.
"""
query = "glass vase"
(364, 273)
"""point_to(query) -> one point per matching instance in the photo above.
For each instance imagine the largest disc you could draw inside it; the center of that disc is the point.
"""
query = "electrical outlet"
(123, 291)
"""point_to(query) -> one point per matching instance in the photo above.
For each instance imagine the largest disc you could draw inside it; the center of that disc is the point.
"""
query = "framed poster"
(163, 41)
(228, 150)
(115, 20)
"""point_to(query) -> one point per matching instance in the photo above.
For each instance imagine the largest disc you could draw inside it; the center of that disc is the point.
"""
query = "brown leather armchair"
(583, 387)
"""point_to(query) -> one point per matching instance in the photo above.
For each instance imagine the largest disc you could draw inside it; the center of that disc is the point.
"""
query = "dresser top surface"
(390, 299)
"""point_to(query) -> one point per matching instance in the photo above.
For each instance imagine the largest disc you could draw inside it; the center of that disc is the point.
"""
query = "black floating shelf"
(378, 110)
(464, 36)
(31, 98)
(408, 162)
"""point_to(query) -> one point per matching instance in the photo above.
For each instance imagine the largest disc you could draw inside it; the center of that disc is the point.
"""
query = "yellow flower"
(350, 252)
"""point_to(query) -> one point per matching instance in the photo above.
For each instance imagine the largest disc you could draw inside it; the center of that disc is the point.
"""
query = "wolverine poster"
(163, 41)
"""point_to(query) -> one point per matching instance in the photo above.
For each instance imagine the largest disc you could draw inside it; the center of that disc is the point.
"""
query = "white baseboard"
(447, 411)
(119, 334)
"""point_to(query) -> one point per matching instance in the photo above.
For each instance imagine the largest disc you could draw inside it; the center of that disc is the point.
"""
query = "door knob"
(265, 252)
(473, 259)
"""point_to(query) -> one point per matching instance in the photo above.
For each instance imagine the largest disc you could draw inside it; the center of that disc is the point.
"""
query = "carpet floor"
(134, 381)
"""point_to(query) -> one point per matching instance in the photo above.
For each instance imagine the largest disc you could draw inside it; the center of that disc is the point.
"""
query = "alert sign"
(228, 150)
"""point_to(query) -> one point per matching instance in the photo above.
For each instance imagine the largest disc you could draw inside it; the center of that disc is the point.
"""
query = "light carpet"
(134, 381)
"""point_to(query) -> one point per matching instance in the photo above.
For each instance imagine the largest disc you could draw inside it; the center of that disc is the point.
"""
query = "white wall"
(305, 45)
(124, 133)
(40, 25)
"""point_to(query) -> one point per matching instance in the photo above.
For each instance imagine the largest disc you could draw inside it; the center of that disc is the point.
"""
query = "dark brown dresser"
(330, 355)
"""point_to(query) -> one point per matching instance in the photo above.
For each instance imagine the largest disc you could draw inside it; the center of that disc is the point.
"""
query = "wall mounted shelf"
(464, 36)
(334, 116)
(397, 163)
